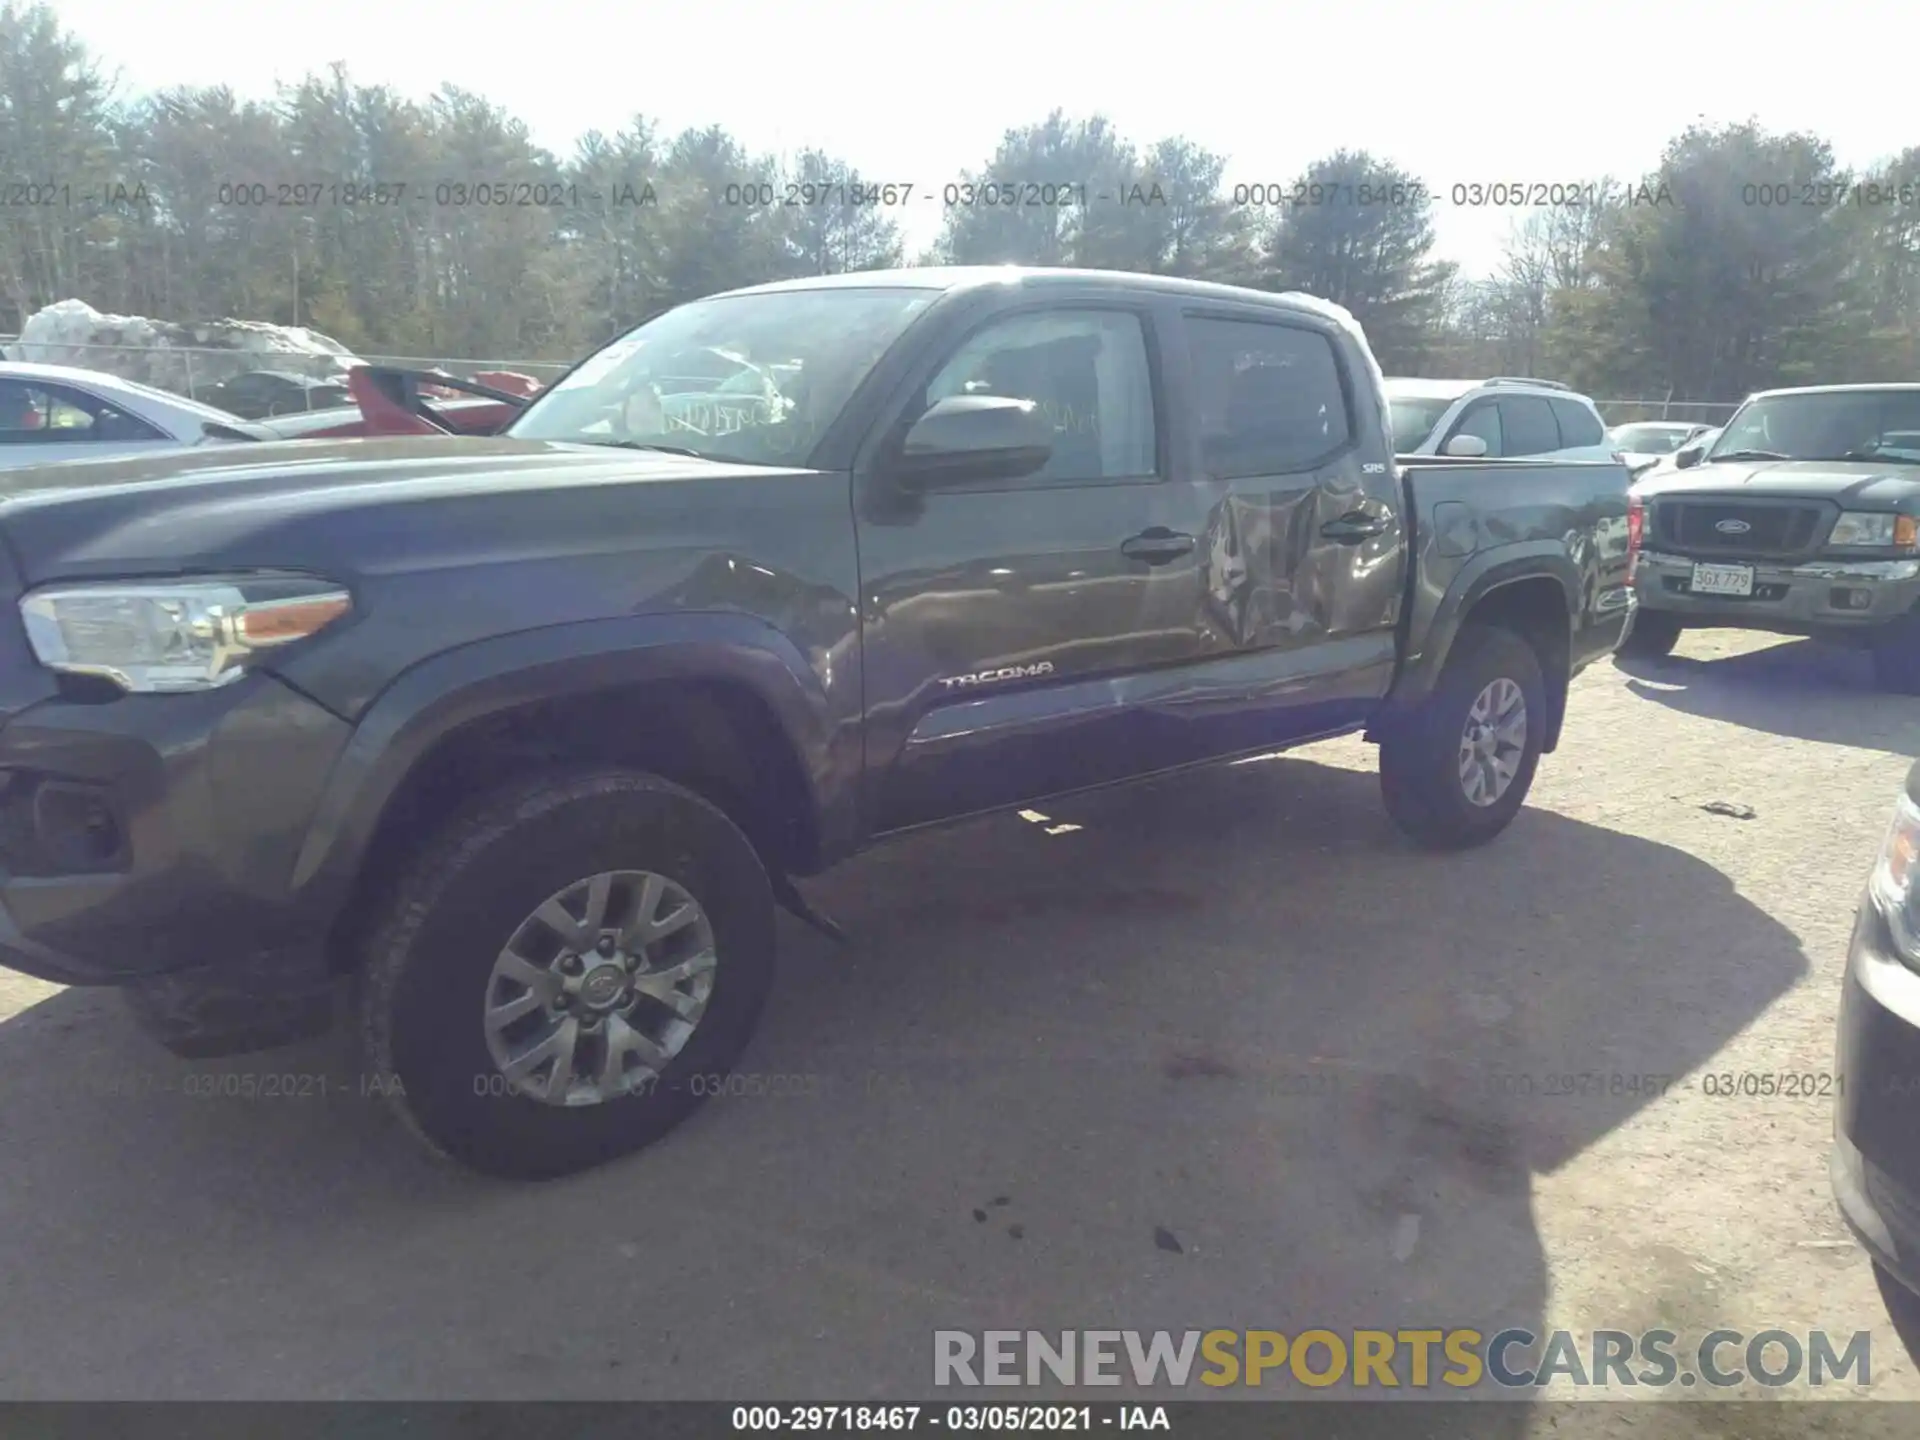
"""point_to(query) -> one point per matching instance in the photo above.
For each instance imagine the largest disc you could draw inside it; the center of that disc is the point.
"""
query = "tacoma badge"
(1009, 672)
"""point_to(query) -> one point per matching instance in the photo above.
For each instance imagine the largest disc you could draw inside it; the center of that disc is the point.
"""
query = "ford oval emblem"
(1732, 527)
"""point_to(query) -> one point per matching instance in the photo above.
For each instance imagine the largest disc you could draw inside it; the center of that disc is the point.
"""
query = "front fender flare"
(452, 689)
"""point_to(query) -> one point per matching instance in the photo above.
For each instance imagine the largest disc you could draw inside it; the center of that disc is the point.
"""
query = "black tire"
(429, 960)
(1896, 657)
(1654, 634)
(1420, 753)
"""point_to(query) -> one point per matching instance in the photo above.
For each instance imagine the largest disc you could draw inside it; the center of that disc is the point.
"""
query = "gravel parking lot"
(1217, 1052)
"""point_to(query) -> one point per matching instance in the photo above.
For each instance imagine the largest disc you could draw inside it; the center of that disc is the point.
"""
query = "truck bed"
(1472, 520)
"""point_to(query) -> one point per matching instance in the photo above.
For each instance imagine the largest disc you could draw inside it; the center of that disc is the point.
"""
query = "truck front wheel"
(568, 970)
(1456, 771)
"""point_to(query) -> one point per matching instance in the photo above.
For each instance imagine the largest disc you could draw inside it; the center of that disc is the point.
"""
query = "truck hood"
(1863, 484)
(329, 504)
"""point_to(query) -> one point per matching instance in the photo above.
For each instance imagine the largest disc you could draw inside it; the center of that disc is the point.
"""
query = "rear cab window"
(1268, 395)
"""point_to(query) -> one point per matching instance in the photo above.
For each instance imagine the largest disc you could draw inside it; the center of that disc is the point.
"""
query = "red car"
(391, 401)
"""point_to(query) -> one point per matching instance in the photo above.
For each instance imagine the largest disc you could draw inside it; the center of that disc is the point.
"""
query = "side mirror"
(1469, 447)
(969, 438)
(1687, 456)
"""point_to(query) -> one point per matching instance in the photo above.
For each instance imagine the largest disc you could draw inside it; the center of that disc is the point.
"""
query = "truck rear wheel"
(569, 969)
(1654, 634)
(1456, 771)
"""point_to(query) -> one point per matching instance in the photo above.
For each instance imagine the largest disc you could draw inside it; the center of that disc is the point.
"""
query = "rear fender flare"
(1484, 573)
(437, 696)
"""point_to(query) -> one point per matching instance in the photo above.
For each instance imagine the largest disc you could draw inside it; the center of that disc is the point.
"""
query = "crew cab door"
(1305, 550)
(1002, 619)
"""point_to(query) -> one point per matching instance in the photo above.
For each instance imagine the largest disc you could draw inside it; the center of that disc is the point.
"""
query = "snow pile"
(182, 358)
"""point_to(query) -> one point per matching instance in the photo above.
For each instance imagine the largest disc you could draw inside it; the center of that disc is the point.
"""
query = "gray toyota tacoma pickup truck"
(518, 743)
(1803, 517)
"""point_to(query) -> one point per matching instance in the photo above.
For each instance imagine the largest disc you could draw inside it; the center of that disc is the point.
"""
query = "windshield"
(1651, 439)
(1826, 425)
(750, 378)
(1414, 417)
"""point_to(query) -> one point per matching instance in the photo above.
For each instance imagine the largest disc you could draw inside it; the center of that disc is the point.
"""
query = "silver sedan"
(50, 413)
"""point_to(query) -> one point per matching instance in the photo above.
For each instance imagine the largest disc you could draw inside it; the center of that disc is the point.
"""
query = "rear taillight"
(1636, 531)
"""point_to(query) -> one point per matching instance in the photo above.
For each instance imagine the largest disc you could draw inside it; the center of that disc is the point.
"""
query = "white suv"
(1506, 416)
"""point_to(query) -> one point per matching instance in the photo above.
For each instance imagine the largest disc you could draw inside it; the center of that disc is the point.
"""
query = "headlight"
(175, 636)
(1897, 532)
(1893, 877)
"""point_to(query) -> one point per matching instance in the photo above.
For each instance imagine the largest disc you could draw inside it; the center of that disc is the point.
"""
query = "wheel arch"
(723, 704)
(1535, 594)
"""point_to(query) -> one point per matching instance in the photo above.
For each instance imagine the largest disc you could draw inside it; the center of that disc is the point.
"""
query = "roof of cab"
(957, 277)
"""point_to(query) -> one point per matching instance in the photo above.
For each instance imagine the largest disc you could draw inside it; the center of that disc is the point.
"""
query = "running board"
(794, 903)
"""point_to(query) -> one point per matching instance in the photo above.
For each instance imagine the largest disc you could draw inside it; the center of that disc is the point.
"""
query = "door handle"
(1157, 546)
(1354, 526)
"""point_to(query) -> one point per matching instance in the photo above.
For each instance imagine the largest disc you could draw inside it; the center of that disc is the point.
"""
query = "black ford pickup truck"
(530, 735)
(1802, 518)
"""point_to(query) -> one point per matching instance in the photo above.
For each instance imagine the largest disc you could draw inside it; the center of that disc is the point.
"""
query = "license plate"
(1721, 580)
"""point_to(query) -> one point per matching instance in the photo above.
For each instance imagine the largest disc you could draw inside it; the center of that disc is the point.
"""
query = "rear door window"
(1269, 396)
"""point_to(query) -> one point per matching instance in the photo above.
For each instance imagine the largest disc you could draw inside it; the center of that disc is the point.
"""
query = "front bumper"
(1807, 597)
(148, 842)
(150, 834)
(1875, 1165)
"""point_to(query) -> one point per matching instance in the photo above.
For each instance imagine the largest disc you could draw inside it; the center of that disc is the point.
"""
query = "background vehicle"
(464, 416)
(1802, 518)
(1645, 443)
(54, 413)
(1688, 454)
(51, 413)
(261, 393)
(390, 400)
(532, 733)
(1875, 1163)
(1695, 448)
(1503, 417)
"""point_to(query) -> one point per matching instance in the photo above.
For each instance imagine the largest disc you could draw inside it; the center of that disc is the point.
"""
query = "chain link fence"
(297, 380)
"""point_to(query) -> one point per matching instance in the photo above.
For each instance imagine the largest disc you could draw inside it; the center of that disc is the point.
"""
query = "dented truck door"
(1303, 546)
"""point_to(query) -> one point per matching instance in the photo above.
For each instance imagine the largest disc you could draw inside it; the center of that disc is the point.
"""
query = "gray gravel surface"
(1221, 1051)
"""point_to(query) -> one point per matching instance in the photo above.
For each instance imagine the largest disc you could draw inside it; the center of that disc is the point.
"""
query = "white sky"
(1475, 90)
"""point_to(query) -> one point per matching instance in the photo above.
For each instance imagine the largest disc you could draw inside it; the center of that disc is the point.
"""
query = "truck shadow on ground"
(1800, 689)
(1903, 1310)
(1218, 1052)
